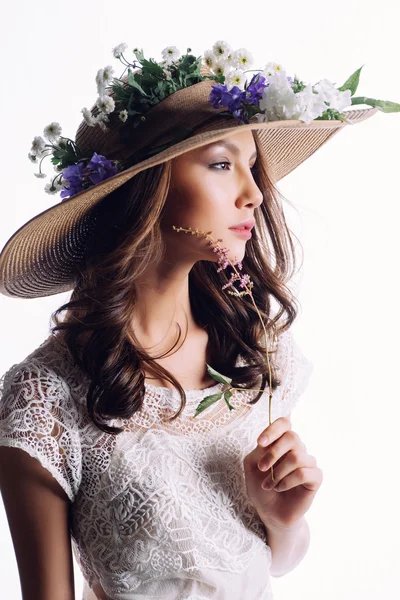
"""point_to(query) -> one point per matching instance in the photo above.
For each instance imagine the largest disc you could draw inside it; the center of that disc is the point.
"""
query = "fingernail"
(267, 485)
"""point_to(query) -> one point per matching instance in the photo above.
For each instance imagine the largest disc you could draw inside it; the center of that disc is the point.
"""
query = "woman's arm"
(37, 510)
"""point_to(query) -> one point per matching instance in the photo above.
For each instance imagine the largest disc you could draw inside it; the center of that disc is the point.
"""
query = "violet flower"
(80, 177)
(101, 168)
(238, 101)
(220, 96)
(255, 89)
(73, 175)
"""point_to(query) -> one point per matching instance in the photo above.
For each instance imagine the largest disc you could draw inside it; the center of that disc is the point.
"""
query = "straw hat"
(40, 258)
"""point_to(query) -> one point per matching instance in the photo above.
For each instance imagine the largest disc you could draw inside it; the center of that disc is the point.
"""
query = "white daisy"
(123, 115)
(209, 59)
(40, 175)
(221, 49)
(108, 74)
(106, 104)
(242, 58)
(101, 121)
(229, 59)
(221, 68)
(170, 54)
(52, 132)
(38, 145)
(100, 82)
(120, 49)
(235, 77)
(50, 188)
(88, 117)
(271, 68)
(32, 157)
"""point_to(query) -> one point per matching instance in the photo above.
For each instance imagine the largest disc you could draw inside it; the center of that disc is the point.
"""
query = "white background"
(346, 216)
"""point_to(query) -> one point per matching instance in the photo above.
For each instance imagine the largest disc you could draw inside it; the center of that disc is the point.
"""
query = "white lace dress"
(160, 510)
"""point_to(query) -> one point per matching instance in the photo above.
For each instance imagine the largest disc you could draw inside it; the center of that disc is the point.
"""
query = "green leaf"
(352, 82)
(133, 83)
(298, 86)
(218, 376)
(384, 105)
(206, 402)
(219, 78)
(330, 114)
(227, 395)
(152, 68)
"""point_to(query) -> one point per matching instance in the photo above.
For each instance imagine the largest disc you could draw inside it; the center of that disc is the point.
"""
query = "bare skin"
(37, 510)
(212, 189)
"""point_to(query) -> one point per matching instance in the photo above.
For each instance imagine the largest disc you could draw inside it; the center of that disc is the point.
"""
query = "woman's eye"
(221, 163)
(227, 163)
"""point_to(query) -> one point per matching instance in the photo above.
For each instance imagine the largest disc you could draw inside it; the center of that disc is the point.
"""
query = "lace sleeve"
(295, 370)
(38, 415)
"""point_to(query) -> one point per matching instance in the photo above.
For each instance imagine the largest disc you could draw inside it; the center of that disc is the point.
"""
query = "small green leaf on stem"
(227, 395)
(352, 82)
(206, 402)
(218, 376)
(384, 105)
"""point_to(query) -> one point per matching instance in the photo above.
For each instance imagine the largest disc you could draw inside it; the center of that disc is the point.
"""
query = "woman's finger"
(293, 461)
(287, 442)
(311, 478)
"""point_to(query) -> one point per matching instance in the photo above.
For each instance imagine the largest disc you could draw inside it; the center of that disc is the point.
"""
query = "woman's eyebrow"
(232, 147)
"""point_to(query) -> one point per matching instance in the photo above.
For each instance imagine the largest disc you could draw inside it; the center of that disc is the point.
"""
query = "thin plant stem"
(215, 245)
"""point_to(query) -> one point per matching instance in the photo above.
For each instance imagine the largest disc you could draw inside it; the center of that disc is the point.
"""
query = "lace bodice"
(160, 510)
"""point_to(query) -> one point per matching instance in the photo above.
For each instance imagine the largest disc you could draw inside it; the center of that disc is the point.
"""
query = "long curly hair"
(126, 239)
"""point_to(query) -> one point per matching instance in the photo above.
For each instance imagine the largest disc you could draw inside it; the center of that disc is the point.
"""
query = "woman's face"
(212, 189)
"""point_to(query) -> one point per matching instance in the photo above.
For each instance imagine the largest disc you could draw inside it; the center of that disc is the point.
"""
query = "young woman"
(163, 495)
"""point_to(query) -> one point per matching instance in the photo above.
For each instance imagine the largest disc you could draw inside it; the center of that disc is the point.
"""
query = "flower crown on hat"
(268, 95)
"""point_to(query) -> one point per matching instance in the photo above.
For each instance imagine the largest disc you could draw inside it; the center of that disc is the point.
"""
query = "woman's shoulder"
(51, 359)
(46, 375)
(40, 415)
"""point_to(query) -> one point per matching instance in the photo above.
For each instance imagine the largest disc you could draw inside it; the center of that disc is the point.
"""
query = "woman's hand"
(295, 472)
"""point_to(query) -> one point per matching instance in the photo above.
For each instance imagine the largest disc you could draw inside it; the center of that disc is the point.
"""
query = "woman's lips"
(242, 232)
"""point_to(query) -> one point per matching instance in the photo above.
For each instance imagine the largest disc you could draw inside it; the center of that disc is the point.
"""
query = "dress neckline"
(190, 393)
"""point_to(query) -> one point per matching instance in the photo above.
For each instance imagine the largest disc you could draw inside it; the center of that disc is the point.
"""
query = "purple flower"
(100, 168)
(232, 99)
(74, 178)
(237, 97)
(256, 88)
(218, 95)
(80, 177)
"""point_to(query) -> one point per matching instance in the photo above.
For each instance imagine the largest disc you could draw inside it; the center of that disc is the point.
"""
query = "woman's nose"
(250, 191)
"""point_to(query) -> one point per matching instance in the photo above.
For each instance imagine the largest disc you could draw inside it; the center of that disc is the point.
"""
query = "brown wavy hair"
(126, 239)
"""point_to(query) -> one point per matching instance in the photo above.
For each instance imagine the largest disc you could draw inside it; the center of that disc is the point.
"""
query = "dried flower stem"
(245, 283)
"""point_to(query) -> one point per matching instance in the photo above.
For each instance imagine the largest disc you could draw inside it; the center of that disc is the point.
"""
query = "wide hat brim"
(40, 258)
